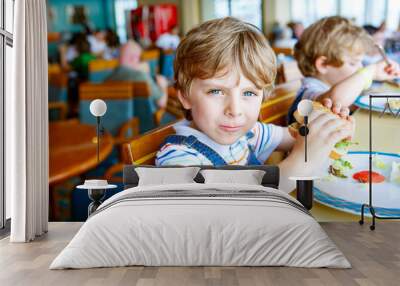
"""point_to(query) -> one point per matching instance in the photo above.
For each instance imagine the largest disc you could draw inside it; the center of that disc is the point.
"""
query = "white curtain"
(27, 124)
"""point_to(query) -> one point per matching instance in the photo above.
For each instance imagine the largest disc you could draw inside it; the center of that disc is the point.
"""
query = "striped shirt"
(264, 140)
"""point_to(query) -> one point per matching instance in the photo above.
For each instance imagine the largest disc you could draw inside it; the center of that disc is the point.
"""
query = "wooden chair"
(144, 107)
(119, 119)
(62, 108)
(58, 94)
(285, 51)
(173, 110)
(100, 69)
(53, 37)
(142, 149)
(276, 107)
(53, 69)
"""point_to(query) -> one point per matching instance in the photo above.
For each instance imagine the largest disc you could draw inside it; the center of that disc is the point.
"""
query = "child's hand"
(336, 108)
(383, 71)
(325, 130)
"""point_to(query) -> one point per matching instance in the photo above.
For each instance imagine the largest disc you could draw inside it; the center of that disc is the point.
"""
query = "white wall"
(275, 10)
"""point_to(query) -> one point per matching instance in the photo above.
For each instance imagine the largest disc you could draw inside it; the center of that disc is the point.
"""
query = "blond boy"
(329, 55)
(223, 69)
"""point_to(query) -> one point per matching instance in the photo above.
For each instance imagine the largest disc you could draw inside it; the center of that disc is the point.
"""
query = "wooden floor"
(375, 257)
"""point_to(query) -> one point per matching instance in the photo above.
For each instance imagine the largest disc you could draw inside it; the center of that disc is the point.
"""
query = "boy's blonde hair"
(216, 46)
(331, 37)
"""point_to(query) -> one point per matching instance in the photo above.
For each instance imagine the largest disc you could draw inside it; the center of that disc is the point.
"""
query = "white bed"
(201, 224)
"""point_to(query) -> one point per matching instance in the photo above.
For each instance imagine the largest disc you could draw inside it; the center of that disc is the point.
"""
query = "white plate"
(348, 195)
(378, 104)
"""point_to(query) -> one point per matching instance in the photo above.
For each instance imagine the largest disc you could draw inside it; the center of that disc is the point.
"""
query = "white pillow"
(166, 176)
(248, 177)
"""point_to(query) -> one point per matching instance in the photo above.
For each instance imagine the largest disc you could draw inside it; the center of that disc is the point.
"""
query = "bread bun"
(316, 106)
(294, 127)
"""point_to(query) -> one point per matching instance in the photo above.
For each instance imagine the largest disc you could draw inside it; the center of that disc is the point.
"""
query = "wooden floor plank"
(375, 257)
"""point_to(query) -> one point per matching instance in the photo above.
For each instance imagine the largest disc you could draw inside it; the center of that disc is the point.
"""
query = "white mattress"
(184, 230)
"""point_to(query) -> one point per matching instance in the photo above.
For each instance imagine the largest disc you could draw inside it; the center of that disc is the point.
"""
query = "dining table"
(73, 149)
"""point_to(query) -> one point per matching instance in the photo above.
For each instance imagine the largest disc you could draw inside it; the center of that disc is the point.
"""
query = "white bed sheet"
(190, 231)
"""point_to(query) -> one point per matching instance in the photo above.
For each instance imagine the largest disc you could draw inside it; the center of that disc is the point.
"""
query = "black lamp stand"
(304, 186)
(370, 205)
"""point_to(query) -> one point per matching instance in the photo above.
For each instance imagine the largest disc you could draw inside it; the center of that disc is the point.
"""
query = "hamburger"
(338, 167)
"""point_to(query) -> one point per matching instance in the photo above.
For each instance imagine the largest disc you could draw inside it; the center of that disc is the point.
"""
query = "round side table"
(96, 195)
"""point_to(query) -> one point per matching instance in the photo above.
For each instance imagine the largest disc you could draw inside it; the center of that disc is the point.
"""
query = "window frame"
(339, 11)
(6, 39)
(123, 37)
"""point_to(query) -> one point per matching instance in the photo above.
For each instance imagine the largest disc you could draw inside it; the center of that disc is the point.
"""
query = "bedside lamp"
(98, 108)
(305, 108)
(304, 184)
(96, 188)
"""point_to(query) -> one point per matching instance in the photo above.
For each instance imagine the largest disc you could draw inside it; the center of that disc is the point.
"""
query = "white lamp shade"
(305, 107)
(98, 107)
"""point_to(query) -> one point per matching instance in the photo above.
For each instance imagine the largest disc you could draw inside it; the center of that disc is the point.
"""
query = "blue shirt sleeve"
(312, 88)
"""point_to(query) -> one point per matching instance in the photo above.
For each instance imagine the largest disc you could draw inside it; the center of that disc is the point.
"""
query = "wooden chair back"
(174, 108)
(119, 99)
(141, 89)
(54, 69)
(57, 77)
(276, 107)
(106, 90)
(101, 64)
(100, 69)
(285, 51)
(143, 148)
(60, 107)
(148, 55)
(53, 37)
(57, 93)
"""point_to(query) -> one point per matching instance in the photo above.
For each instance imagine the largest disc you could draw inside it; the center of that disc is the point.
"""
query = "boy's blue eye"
(249, 93)
(215, 92)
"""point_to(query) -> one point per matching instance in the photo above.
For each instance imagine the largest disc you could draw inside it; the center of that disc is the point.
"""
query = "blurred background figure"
(297, 29)
(169, 40)
(285, 39)
(112, 45)
(68, 51)
(276, 32)
(97, 42)
(132, 69)
(80, 64)
(378, 37)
